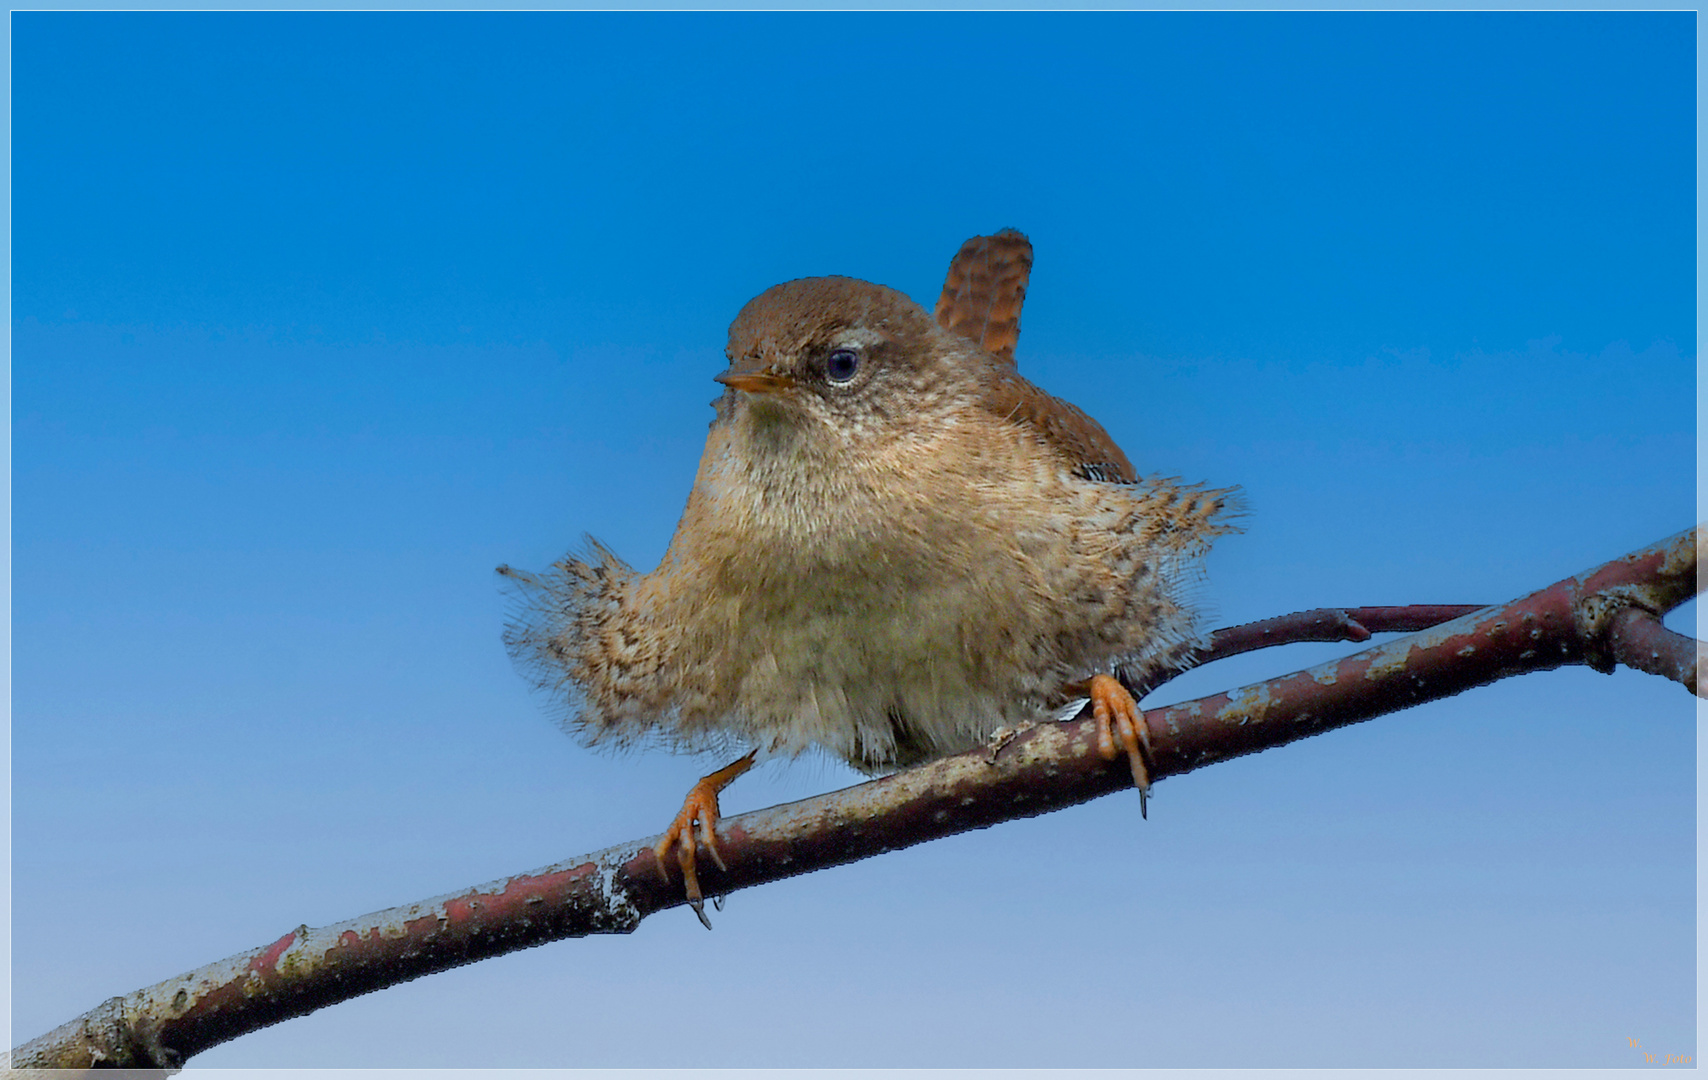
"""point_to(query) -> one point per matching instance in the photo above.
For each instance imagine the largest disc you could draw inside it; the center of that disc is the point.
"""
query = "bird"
(895, 547)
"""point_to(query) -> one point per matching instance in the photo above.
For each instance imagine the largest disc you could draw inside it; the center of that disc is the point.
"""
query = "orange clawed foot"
(1119, 716)
(699, 808)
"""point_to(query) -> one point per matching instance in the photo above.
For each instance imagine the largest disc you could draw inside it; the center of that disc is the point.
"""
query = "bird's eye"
(842, 365)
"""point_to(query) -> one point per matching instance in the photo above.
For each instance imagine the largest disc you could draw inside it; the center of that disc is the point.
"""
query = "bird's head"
(848, 354)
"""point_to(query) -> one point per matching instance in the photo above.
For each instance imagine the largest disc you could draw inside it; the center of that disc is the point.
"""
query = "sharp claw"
(700, 913)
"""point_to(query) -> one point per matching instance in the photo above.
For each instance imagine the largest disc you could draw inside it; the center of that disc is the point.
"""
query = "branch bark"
(1604, 616)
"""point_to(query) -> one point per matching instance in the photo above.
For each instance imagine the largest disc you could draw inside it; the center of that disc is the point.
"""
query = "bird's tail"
(984, 291)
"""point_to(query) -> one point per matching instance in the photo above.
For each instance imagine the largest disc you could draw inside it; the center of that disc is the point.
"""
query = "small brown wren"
(895, 546)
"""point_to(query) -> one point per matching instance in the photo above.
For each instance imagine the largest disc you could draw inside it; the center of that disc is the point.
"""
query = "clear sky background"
(319, 318)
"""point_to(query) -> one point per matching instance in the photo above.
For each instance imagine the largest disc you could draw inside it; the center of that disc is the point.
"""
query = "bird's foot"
(1119, 718)
(699, 812)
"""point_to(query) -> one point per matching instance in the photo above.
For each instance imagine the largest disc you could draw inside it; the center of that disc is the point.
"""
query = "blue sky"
(319, 318)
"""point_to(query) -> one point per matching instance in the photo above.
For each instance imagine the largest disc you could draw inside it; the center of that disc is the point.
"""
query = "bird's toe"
(1120, 722)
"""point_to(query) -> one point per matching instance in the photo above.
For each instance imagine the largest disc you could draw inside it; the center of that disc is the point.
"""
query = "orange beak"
(756, 382)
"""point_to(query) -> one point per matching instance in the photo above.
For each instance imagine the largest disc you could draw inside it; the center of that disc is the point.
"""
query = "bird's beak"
(756, 382)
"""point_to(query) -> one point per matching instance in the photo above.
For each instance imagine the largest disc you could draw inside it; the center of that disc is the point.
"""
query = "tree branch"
(1606, 615)
(1328, 624)
(1640, 641)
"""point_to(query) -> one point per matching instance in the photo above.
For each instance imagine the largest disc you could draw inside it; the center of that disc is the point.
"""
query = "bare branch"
(1640, 641)
(1594, 618)
(1329, 624)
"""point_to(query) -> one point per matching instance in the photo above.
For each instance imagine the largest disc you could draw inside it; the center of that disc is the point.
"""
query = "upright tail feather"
(984, 290)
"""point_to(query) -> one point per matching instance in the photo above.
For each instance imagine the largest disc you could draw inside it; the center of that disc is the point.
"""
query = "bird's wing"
(1087, 448)
(984, 290)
